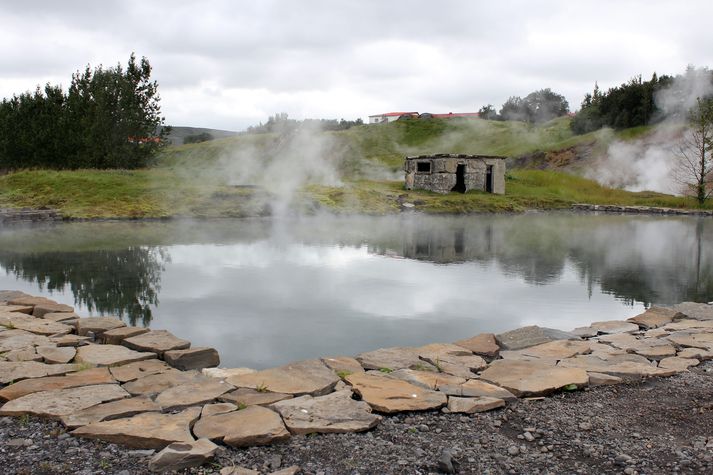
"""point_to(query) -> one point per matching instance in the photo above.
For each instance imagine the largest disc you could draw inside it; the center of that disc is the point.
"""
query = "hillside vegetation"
(198, 180)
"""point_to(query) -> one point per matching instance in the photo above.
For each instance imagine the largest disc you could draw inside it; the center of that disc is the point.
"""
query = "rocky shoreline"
(25, 215)
(478, 405)
(641, 210)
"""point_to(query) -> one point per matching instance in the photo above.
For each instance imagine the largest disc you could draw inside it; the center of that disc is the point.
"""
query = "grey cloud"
(449, 55)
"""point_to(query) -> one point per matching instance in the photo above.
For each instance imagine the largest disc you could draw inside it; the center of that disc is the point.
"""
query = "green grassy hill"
(364, 165)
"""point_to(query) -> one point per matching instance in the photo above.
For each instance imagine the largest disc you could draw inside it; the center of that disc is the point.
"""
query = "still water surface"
(266, 292)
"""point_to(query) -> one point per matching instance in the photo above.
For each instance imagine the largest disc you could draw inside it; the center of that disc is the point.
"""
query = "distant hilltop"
(179, 133)
(387, 117)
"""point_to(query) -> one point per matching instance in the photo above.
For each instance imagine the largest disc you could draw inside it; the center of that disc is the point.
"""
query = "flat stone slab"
(695, 311)
(180, 455)
(20, 339)
(695, 353)
(111, 410)
(252, 397)
(333, 413)
(693, 340)
(117, 335)
(677, 363)
(390, 395)
(97, 325)
(192, 394)
(192, 358)
(157, 341)
(343, 364)
(656, 351)
(471, 405)
(80, 378)
(224, 373)
(51, 307)
(688, 324)
(553, 350)
(23, 354)
(26, 309)
(148, 430)
(138, 369)
(656, 317)
(29, 300)
(601, 379)
(61, 402)
(393, 358)
(530, 336)
(483, 344)
(427, 379)
(254, 425)
(34, 325)
(451, 359)
(156, 383)
(70, 340)
(303, 377)
(614, 326)
(55, 354)
(623, 366)
(622, 341)
(218, 408)
(68, 318)
(529, 378)
(110, 355)
(16, 371)
(478, 388)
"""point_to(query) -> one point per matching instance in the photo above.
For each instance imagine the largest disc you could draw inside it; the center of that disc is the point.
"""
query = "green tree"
(109, 118)
(488, 112)
(536, 107)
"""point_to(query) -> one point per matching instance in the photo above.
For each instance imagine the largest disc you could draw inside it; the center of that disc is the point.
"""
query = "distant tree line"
(282, 123)
(629, 105)
(108, 118)
(635, 103)
(198, 138)
(537, 107)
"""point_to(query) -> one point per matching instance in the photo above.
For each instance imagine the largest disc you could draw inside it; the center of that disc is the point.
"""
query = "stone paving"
(149, 389)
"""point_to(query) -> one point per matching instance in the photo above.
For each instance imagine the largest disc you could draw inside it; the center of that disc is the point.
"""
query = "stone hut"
(444, 173)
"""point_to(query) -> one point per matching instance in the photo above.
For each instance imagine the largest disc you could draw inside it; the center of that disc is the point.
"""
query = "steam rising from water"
(650, 163)
(296, 158)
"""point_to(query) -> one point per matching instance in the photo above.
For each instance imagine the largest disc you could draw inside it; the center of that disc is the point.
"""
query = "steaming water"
(267, 292)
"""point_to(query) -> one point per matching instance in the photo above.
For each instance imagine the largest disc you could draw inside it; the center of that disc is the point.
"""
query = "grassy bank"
(358, 150)
(192, 180)
(156, 193)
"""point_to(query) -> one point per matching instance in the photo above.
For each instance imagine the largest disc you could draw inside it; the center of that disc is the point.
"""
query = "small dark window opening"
(489, 179)
(423, 167)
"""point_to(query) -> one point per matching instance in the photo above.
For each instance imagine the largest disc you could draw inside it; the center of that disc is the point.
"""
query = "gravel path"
(663, 425)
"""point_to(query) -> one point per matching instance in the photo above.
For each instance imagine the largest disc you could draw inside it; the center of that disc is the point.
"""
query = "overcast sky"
(230, 64)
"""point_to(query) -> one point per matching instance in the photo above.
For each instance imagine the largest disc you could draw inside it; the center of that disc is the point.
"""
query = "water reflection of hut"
(444, 173)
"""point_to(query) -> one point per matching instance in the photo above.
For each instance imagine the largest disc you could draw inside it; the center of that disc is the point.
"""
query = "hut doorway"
(460, 179)
(489, 179)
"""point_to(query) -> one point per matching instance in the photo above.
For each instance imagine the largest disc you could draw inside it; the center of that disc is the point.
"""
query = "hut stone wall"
(458, 173)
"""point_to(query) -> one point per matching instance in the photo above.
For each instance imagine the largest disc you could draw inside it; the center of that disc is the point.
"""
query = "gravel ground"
(656, 426)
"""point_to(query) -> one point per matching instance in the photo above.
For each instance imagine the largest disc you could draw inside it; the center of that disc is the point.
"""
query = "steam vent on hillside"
(444, 173)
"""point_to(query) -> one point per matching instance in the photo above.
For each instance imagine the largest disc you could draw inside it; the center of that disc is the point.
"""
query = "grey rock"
(526, 337)
(180, 455)
(446, 462)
